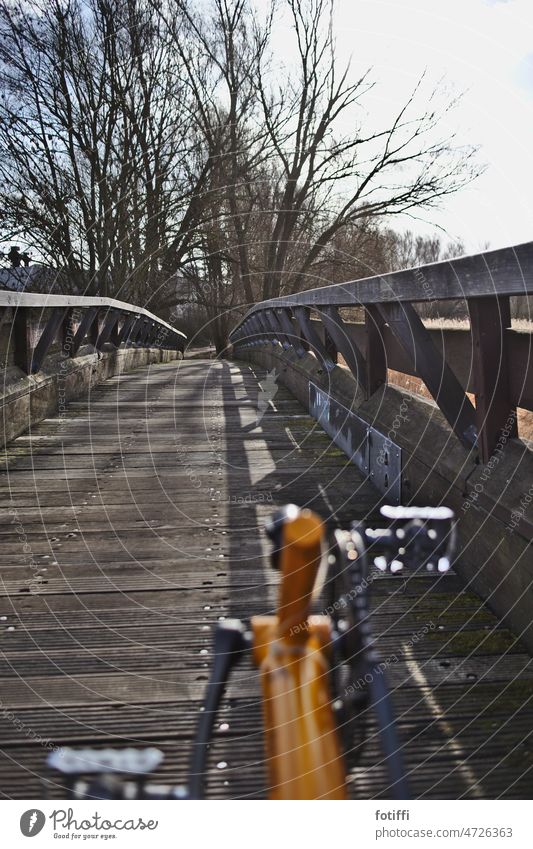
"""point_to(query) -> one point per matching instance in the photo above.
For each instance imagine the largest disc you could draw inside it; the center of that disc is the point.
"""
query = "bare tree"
(150, 140)
(408, 249)
(367, 173)
(290, 179)
(102, 164)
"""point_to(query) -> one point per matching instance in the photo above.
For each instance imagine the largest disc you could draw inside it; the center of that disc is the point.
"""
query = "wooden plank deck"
(132, 526)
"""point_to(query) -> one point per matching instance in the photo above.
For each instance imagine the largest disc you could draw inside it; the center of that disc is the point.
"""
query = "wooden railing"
(498, 371)
(37, 323)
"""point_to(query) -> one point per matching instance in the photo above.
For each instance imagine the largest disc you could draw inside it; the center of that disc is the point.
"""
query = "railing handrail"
(485, 280)
(48, 301)
(73, 319)
(504, 271)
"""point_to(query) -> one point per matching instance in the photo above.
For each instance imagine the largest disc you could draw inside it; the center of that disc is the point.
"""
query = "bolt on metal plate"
(371, 451)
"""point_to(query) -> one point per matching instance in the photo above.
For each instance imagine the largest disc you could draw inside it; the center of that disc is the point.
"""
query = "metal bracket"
(348, 431)
(385, 465)
(371, 451)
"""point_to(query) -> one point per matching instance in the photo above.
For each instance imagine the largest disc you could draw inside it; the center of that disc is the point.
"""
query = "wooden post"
(94, 331)
(114, 336)
(376, 356)
(330, 346)
(253, 331)
(291, 333)
(67, 333)
(272, 318)
(88, 320)
(127, 329)
(109, 322)
(135, 331)
(303, 340)
(430, 365)
(152, 333)
(344, 343)
(301, 315)
(268, 331)
(143, 336)
(490, 319)
(22, 339)
(48, 336)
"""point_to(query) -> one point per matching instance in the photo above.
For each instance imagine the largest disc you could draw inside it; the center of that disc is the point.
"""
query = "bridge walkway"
(132, 525)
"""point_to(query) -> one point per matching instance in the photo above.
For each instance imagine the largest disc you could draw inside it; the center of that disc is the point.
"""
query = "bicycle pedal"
(105, 761)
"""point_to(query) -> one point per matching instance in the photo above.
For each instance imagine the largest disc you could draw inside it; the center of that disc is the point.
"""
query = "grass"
(523, 325)
(414, 384)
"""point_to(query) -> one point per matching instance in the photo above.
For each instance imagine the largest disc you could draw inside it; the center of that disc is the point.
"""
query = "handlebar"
(417, 538)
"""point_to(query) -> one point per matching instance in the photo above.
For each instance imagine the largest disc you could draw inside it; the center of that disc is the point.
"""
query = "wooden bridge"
(134, 490)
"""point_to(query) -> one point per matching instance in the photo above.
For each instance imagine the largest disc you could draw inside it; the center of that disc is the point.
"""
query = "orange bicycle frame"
(291, 651)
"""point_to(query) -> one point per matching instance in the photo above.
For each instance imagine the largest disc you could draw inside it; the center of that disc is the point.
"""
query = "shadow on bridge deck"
(132, 526)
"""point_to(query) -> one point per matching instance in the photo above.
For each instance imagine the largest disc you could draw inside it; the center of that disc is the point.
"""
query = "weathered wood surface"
(131, 527)
(37, 301)
(504, 271)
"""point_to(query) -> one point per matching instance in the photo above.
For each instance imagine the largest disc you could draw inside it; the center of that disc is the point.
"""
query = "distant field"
(414, 384)
(463, 324)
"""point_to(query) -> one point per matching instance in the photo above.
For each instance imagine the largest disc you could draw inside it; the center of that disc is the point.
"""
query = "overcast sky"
(484, 47)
